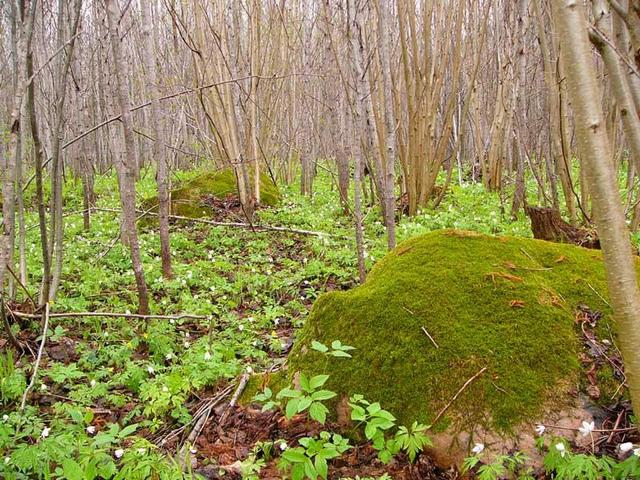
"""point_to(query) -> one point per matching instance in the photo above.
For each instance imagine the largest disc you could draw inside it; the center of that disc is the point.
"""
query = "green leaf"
(318, 412)
(294, 455)
(127, 431)
(292, 408)
(340, 354)
(358, 413)
(304, 383)
(321, 466)
(304, 404)
(71, 470)
(374, 408)
(318, 381)
(323, 395)
(320, 347)
(288, 393)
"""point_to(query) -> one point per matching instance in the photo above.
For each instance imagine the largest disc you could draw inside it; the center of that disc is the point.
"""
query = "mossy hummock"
(187, 201)
(504, 303)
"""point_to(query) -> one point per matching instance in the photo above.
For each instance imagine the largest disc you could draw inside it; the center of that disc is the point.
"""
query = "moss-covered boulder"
(191, 199)
(501, 303)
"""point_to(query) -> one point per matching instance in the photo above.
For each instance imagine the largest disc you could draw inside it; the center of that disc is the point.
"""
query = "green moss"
(186, 201)
(505, 303)
(257, 383)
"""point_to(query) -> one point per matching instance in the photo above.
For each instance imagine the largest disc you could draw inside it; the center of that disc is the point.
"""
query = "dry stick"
(598, 294)
(22, 285)
(231, 224)
(241, 386)
(110, 314)
(430, 337)
(7, 326)
(199, 417)
(466, 384)
(557, 427)
(37, 364)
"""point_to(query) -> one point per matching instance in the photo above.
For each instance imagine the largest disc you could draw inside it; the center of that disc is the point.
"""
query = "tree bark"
(159, 152)
(595, 150)
(126, 166)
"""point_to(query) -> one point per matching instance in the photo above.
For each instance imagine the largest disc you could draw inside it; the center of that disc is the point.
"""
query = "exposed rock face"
(452, 306)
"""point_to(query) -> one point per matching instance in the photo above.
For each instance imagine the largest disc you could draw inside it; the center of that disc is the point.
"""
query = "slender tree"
(126, 165)
(584, 91)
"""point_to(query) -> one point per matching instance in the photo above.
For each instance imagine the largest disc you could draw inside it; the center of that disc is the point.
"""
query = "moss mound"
(187, 201)
(503, 303)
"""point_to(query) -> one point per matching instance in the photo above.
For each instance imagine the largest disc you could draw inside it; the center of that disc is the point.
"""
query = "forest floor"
(117, 397)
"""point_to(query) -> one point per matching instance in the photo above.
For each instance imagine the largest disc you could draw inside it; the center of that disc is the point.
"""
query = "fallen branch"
(110, 314)
(38, 358)
(229, 224)
(241, 386)
(430, 337)
(7, 325)
(466, 384)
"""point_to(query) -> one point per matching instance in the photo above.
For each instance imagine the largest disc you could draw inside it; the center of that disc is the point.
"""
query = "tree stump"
(548, 224)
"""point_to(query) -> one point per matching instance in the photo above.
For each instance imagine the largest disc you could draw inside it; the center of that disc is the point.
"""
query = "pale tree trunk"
(23, 25)
(354, 32)
(126, 165)
(255, 52)
(388, 173)
(37, 155)
(159, 152)
(600, 37)
(56, 251)
(592, 139)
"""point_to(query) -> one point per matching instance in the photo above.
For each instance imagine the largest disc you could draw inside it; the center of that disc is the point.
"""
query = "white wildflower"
(45, 432)
(540, 429)
(141, 451)
(193, 450)
(150, 370)
(277, 321)
(561, 448)
(283, 446)
(118, 453)
(587, 428)
(43, 387)
(187, 344)
(207, 356)
(625, 447)
(168, 356)
(165, 389)
(5, 418)
(240, 327)
(91, 429)
(92, 383)
(478, 448)
(7, 460)
(250, 370)
(187, 335)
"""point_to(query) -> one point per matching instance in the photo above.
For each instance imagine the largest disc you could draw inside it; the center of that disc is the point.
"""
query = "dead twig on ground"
(111, 314)
(458, 393)
(255, 227)
(430, 337)
(38, 358)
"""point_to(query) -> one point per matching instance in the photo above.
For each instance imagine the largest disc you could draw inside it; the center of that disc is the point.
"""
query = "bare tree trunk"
(355, 38)
(159, 152)
(388, 180)
(57, 222)
(594, 148)
(22, 14)
(126, 165)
